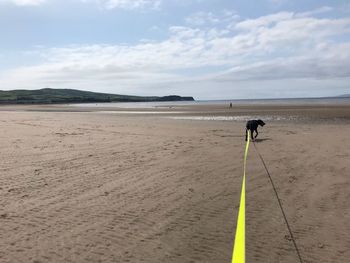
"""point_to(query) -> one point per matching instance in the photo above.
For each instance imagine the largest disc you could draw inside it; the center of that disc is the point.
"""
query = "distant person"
(252, 126)
(230, 104)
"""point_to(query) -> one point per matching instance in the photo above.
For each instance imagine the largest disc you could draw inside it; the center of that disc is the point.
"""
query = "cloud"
(334, 64)
(320, 10)
(277, 49)
(202, 18)
(107, 4)
(127, 4)
(24, 2)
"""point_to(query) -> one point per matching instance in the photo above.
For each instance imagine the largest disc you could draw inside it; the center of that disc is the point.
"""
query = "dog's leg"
(256, 135)
(252, 134)
(246, 134)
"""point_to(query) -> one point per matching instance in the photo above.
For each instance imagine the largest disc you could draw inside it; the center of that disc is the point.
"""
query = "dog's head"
(261, 123)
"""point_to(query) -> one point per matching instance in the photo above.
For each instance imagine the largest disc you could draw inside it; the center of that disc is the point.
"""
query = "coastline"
(300, 112)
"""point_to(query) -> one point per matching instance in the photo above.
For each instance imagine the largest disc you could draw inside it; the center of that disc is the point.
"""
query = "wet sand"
(109, 187)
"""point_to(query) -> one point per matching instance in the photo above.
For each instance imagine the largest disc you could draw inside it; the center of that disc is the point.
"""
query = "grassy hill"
(48, 96)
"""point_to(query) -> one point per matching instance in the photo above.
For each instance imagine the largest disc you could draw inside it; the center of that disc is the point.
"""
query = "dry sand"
(105, 187)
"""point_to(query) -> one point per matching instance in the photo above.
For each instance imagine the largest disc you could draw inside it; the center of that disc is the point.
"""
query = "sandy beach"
(100, 185)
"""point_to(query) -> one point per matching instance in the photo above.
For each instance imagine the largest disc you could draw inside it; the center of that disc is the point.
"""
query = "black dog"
(252, 125)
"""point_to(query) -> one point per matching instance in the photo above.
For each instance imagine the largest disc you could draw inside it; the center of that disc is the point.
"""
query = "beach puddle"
(234, 118)
(141, 112)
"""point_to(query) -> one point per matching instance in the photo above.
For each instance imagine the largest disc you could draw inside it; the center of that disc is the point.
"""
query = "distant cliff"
(48, 96)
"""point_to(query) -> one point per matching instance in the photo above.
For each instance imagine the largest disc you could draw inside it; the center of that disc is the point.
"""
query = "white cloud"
(265, 21)
(317, 11)
(335, 63)
(127, 4)
(24, 2)
(208, 18)
(201, 18)
(107, 4)
(278, 48)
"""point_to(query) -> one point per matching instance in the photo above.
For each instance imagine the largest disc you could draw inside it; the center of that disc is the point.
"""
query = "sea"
(127, 108)
(298, 101)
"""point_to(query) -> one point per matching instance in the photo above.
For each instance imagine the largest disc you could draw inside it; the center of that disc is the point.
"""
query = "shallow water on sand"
(169, 104)
(234, 118)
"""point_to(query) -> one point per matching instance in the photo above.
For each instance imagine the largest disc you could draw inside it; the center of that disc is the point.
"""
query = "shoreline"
(293, 113)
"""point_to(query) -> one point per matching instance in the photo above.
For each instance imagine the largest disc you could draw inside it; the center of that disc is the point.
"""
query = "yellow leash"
(239, 245)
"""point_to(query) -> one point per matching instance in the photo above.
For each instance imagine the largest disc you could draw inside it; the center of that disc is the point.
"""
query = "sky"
(208, 49)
